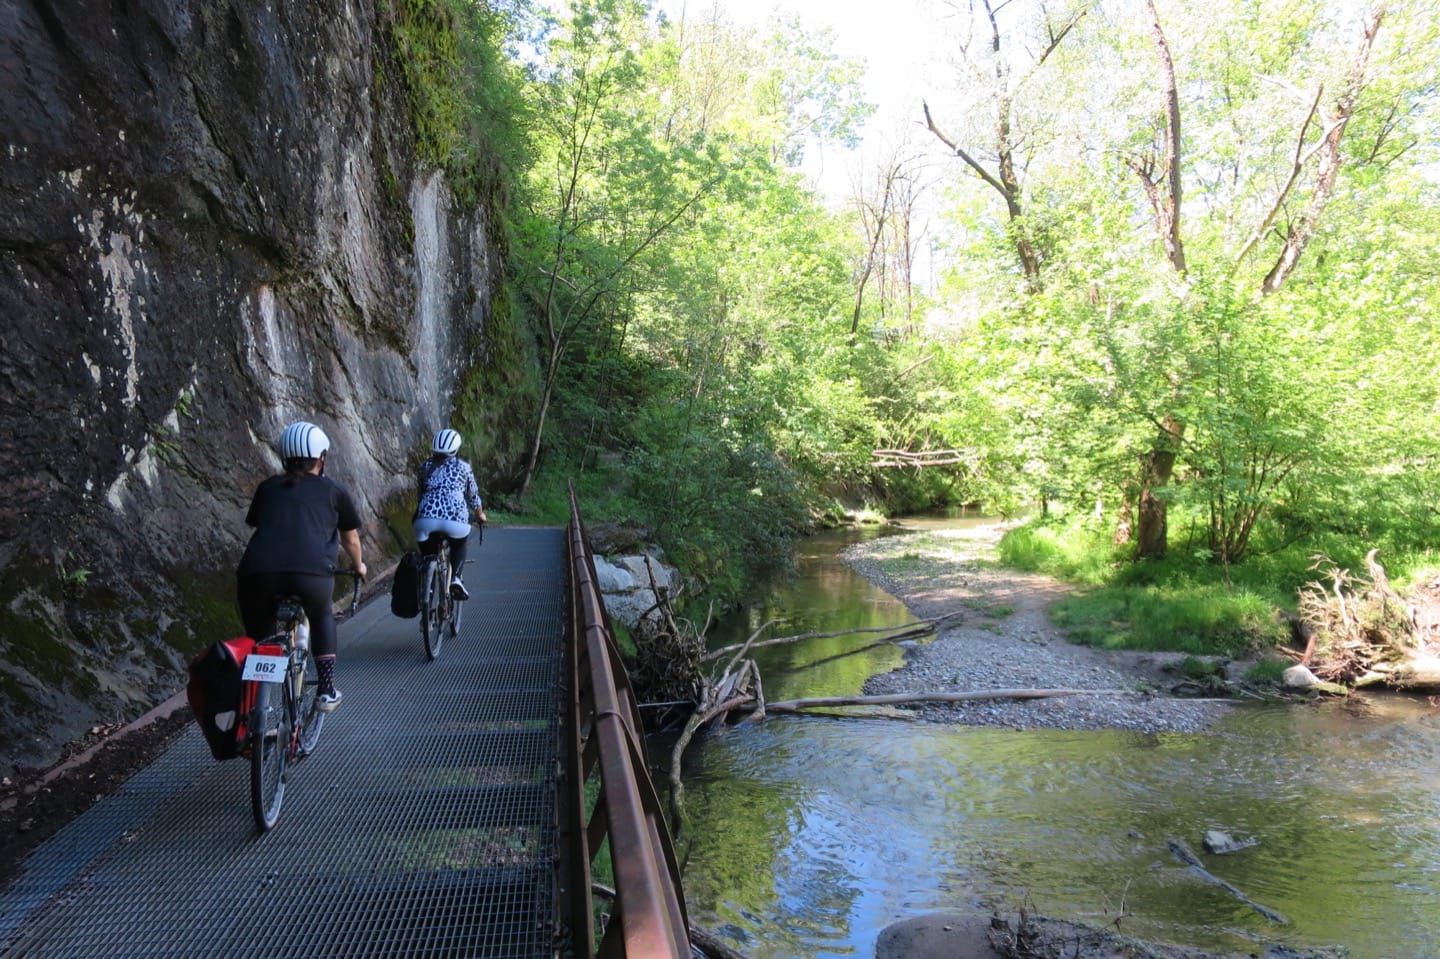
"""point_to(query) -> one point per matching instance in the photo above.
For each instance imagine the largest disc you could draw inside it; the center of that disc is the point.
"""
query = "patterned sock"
(325, 666)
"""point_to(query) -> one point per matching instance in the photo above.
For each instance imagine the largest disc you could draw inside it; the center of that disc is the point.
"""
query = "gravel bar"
(1004, 639)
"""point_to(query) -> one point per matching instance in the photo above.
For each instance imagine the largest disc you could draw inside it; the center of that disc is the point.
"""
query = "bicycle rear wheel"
(311, 718)
(270, 744)
(432, 608)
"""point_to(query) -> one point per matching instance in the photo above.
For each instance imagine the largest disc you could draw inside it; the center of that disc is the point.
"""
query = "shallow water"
(806, 836)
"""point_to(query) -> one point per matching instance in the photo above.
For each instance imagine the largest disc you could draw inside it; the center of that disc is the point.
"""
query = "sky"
(892, 38)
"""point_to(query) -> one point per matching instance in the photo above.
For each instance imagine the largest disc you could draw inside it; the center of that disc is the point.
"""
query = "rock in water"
(1219, 843)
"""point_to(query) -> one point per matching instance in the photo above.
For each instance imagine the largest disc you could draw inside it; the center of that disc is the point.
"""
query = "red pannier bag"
(218, 696)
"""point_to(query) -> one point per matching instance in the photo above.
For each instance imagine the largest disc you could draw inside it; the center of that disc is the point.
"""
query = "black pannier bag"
(216, 695)
(405, 591)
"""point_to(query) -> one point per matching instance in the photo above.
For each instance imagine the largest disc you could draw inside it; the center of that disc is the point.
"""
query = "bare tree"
(1159, 170)
(1329, 159)
(1004, 178)
(885, 198)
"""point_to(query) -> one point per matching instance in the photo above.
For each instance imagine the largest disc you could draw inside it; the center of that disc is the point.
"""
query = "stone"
(1298, 677)
(613, 579)
(624, 537)
(1220, 843)
(624, 583)
(940, 935)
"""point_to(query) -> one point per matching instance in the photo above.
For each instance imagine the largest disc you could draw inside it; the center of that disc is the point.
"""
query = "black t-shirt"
(297, 527)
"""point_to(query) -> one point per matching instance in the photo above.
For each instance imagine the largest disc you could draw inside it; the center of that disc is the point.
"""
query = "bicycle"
(285, 720)
(439, 611)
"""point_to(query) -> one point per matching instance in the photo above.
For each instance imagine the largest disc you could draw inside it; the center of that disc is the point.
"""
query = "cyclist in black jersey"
(302, 519)
(446, 494)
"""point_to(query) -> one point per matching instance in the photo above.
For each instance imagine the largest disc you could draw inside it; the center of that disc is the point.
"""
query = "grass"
(1266, 672)
(1199, 619)
(1178, 604)
(992, 610)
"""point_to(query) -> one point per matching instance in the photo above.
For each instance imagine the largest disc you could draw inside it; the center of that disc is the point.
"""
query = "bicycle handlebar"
(354, 590)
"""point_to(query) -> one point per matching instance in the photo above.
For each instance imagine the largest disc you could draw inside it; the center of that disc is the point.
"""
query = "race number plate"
(264, 669)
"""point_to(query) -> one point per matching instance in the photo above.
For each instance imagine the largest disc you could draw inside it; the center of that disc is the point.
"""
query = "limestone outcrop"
(213, 223)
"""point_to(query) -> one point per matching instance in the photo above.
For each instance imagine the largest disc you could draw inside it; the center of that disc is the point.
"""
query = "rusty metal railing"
(604, 733)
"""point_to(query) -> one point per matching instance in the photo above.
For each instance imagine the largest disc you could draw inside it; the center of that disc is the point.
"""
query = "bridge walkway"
(424, 825)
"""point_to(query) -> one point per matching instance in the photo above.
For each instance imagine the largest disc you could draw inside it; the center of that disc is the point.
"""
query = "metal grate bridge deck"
(424, 825)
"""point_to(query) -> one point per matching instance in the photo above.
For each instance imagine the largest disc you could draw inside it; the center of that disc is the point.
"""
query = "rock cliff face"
(212, 224)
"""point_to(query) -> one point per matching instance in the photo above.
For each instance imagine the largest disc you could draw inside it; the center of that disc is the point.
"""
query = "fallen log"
(1183, 853)
(711, 945)
(1414, 672)
(892, 699)
(914, 630)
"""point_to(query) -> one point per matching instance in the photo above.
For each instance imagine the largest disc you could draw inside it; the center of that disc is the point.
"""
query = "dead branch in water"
(1183, 853)
(914, 630)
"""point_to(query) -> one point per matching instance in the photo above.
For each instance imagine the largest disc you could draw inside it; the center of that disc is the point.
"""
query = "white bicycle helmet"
(303, 440)
(446, 441)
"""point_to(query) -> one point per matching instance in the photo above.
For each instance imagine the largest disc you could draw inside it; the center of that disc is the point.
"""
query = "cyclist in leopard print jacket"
(447, 495)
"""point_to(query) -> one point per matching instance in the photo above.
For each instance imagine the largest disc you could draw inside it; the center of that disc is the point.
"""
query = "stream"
(805, 836)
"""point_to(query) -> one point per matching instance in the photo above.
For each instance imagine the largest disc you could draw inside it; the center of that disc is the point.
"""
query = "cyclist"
(302, 519)
(447, 494)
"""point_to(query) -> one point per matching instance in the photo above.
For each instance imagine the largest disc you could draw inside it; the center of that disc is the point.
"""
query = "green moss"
(396, 512)
(207, 610)
(31, 642)
(1192, 667)
(496, 399)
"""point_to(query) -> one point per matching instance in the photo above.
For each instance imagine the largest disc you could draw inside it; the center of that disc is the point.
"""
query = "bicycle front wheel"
(270, 743)
(432, 609)
(456, 608)
(311, 718)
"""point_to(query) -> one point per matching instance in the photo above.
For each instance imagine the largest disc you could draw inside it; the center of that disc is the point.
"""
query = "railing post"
(650, 906)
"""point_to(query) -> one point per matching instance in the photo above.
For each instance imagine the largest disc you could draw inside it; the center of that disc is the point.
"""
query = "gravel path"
(1004, 640)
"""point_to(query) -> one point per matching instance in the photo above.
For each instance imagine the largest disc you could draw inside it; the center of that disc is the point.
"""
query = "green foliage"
(704, 367)
(726, 511)
(72, 579)
(496, 398)
(1289, 403)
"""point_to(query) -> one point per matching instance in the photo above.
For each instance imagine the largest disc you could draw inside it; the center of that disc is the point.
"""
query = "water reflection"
(806, 836)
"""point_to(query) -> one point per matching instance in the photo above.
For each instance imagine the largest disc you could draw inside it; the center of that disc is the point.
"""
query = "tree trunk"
(1167, 206)
(534, 458)
(1152, 533)
(1006, 181)
(1125, 518)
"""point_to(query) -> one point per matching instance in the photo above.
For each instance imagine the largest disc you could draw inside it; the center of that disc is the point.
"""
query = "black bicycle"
(285, 720)
(440, 611)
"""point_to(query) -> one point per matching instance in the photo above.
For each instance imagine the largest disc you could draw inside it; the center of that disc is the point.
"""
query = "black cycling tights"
(458, 547)
(258, 592)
